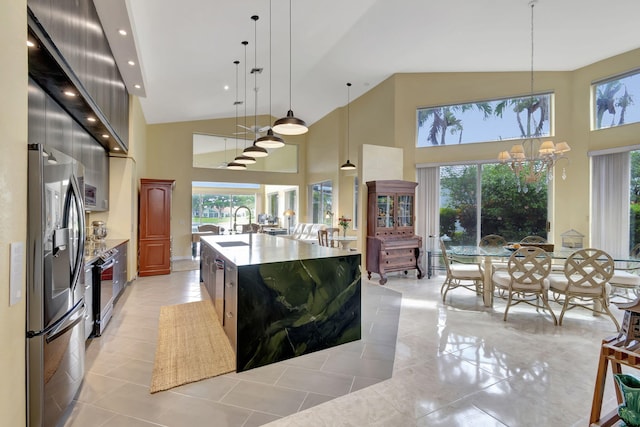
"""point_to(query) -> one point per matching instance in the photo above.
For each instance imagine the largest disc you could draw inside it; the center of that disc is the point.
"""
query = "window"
(485, 198)
(273, 205)
(493, 120)
(321, 195)
(615, 101)
(215, 152)
(216, 203)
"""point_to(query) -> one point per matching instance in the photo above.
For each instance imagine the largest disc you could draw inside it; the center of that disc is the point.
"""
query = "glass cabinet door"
(385, 211)
(405, 210)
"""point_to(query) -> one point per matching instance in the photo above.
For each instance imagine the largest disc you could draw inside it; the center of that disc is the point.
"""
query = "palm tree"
(623, 102)
(444, 119)
(605, 100)
(530, 105)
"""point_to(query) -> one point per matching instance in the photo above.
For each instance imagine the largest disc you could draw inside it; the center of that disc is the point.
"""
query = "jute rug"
(191, 346)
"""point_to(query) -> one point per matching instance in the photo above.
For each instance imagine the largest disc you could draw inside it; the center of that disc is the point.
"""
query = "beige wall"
(169, 156)
(13, 202)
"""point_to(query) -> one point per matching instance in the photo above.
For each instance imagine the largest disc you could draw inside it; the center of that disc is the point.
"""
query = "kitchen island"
(279, 298)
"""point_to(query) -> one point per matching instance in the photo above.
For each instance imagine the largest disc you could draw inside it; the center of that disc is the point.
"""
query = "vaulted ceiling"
(185, 49)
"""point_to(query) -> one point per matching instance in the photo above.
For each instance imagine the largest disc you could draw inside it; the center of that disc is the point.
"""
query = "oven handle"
(107, 265)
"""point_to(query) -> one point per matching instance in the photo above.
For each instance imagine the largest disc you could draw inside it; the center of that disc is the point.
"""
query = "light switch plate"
(16, 278)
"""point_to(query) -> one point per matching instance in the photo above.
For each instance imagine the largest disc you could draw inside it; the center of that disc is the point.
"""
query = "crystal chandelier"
(530, 166)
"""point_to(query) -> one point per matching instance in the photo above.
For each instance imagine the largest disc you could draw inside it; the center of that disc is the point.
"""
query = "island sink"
(231, 243)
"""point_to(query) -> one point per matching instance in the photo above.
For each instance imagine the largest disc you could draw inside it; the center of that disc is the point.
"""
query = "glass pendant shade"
(255, 151)
(270, 140)
(290, 125)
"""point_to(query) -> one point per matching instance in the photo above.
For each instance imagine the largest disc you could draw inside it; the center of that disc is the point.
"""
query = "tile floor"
(453, 364)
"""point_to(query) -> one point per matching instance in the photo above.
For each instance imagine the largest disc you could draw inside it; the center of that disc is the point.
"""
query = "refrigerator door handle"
(65, 323)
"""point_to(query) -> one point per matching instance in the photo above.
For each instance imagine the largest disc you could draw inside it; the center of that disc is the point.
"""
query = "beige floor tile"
(453, 364)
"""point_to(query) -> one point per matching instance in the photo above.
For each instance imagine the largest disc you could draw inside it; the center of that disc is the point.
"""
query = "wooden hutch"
(391, 241)
(154, 230)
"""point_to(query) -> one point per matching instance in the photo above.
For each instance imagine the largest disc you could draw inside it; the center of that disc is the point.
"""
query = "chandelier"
(533, 160)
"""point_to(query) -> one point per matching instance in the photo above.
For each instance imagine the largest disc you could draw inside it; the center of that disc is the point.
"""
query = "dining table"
(500, 254)
(344, 241)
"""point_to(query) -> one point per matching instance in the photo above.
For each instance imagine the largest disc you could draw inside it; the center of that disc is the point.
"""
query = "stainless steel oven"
(103, 295)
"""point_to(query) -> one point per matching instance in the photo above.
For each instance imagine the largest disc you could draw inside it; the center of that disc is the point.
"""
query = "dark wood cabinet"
(154, 242)
(391, 241)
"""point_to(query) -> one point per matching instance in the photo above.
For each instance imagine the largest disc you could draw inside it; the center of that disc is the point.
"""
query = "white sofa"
(306, 232)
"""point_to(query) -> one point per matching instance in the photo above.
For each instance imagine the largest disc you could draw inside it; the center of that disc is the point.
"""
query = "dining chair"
(525, 280)
(333, 233)
(533, 239)
(492, 240)
(585, 283)
(626, 278)
(459, 275)
(211, 227)
(323, 238)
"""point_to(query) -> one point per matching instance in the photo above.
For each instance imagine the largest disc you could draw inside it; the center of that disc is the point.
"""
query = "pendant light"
(235, 165)
(270, 140)
(290, 125)
(253, 150)
(348, 166)
(243, 158)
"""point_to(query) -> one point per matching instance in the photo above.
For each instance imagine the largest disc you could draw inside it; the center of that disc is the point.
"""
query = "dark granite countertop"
(93, 250)
(260, 248)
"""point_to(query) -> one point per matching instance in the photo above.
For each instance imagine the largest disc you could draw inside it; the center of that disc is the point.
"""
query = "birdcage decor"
(572, 239)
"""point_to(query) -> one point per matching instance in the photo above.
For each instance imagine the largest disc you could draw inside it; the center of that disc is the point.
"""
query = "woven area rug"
(191, 346)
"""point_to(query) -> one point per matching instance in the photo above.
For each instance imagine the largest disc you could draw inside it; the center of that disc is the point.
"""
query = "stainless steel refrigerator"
(55, 296)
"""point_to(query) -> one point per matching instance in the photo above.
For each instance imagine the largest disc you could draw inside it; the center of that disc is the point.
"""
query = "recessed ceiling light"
(226, 87)
(91, 119)
(122, 32)
(104, 135)
(131, 63)
(137, 86)
(30, 43)
(116, 148)
(69, 93)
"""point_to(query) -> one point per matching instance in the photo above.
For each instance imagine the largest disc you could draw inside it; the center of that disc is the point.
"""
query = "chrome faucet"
(235, 214)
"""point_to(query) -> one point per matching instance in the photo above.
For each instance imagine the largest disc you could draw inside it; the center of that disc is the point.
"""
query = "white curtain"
(610, 203)
(428, 205)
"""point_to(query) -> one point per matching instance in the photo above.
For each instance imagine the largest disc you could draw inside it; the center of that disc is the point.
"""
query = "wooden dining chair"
(533, 239)
(333, 233)
(323, 238)
(459, 275)
(211, 227)
(525, 280)
(585, 283)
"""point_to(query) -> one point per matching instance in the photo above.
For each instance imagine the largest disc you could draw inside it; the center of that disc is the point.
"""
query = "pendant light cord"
(348, 120)
(255, 73)
(532, 3)
(245, 43)
(290, 60)
(270, 67)
(236, 103)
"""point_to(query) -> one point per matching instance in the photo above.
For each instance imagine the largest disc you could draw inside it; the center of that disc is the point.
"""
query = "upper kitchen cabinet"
(96, 163)
(72, 50)
(52, 126)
